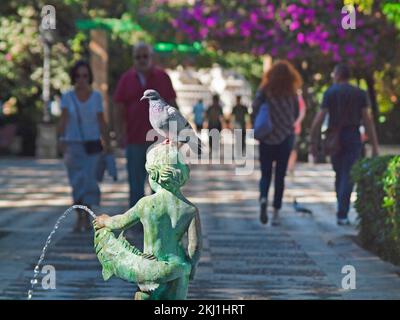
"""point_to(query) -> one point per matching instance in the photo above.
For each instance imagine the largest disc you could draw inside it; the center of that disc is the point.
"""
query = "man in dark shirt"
(346, 106)
(239, 113)
(214, 114)
(215, 117)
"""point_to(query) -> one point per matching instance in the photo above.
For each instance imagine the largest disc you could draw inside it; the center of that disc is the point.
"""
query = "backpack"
(262, 123)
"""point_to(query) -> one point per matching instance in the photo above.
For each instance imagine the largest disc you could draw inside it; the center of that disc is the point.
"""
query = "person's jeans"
(212, 143)
(342, 163)
(279, 153)
(82, 170)
(243, 134)
(136, 160)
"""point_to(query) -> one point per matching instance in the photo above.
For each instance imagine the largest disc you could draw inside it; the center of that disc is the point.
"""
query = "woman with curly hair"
(278, 88)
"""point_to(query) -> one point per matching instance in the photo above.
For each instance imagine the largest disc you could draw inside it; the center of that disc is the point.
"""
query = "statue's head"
(166, 168)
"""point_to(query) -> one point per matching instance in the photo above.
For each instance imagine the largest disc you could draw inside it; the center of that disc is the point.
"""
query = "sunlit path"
(242, 259)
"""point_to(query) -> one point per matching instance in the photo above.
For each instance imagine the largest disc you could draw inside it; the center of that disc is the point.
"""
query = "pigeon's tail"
(194, 143)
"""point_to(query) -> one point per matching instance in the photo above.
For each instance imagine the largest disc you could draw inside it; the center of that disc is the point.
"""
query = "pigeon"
(299, 208)
(160, 116)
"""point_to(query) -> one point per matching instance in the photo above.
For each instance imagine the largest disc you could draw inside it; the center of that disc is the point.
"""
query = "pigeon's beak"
(142, 98)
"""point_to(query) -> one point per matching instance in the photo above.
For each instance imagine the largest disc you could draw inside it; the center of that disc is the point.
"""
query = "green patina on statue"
(163, 269)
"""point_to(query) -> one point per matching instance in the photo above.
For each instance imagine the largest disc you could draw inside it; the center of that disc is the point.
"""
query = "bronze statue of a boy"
(163, 269)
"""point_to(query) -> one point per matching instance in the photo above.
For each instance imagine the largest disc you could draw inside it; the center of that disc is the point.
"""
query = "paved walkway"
(242, 259)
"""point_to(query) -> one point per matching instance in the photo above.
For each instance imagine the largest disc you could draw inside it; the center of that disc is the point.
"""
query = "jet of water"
(34, 280)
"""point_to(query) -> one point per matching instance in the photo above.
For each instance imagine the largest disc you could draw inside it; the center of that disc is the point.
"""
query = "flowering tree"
(296, 30)
(307, 32)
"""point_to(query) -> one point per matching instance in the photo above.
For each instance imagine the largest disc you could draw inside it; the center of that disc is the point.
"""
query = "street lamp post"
(46, 143)
(47, 39)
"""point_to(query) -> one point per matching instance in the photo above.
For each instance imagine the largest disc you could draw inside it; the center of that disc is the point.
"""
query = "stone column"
(99, 63)
(46, 141)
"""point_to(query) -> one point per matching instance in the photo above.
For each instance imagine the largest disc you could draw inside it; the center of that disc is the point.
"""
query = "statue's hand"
(101, 221)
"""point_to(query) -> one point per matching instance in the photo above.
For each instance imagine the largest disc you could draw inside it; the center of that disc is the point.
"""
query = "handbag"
(263, 123)
(91, 146)
(331, 142)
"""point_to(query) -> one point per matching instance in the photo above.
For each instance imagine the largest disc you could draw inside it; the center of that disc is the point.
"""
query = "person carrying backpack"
(277, 100)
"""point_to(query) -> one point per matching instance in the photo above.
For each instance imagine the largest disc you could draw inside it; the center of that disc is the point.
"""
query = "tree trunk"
(372, 95)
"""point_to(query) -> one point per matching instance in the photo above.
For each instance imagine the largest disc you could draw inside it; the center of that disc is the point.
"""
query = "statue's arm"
(125, 220)
(194, 242)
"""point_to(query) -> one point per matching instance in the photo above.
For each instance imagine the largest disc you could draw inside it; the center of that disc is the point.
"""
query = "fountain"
(164, 268)
(48, 241)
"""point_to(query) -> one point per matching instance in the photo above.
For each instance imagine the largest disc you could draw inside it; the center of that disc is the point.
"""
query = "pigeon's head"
(151, 95)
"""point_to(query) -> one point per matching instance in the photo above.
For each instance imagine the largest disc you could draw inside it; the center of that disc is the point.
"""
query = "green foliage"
(392, 199)
(390, 8)
(21, 68)
(363, 5)
(250, 66)
(378, 205)
(392, 12)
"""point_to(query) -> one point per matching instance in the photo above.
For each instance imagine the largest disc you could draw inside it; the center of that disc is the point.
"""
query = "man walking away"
(346, 106)
(239, 114)
(215, 117)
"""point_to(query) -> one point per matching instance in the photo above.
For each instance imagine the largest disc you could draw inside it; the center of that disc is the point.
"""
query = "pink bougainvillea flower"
(294, 25)
(291, 8)
(300, 38)
(254, 17)
(211, 22)
(245, 29)
(197, 12)
(203, 32)
(349, 49)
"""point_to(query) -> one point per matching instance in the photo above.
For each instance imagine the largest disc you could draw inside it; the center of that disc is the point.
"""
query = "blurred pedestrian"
(133, 114)
(347, 107)
(82, 126)
(278, 90)
(198, 112)
(239, 115)
(215, 117)
(297, 133)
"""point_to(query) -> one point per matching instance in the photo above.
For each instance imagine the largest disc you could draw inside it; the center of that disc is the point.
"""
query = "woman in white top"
(82, 126)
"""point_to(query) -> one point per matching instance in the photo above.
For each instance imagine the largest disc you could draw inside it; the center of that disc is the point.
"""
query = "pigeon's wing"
(175, 115)
(190, 135)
